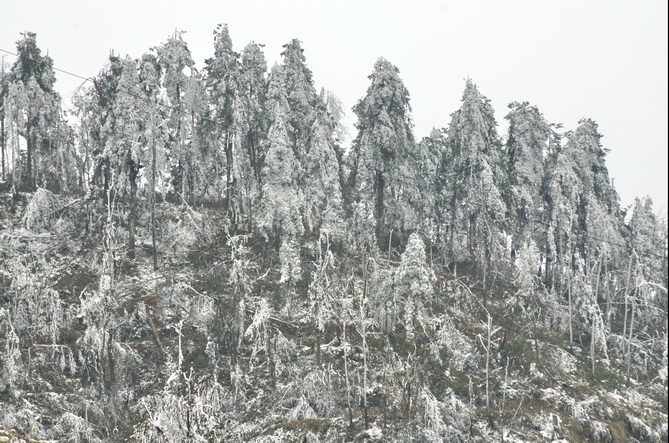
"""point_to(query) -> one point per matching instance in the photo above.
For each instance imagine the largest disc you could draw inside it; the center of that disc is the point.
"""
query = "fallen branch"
(155, 331)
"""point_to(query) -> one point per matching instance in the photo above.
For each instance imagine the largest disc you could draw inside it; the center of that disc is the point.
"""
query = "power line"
(54, 68)
(131, 93)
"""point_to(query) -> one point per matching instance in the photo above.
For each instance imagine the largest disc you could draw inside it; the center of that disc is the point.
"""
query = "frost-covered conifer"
(32, 110)
(529, 143)
(476, 206)
(433, 181)
(525, 279)
(301, 95)
(253, 125)
(597, 210)
(126, 149)
(323, 197)
(383, 160)
(414, 283)
(222, 82)
(153, 138)
(648, 246)
(185, 101)
(282, 199)
(94, 107)
(560, 220)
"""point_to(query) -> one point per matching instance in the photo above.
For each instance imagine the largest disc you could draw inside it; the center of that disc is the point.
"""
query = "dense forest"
(198, 255)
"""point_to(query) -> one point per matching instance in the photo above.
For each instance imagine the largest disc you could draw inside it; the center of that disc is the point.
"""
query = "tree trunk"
(2, 142)
(593, 327)
(29, 158)
(364, 345)
(379, 188)
(571, 331)
(487, 369)
(627, 287)
(133, 172)
(153, 203)
(228, 173)
(348, 386)
(629, 341)
(318, 348)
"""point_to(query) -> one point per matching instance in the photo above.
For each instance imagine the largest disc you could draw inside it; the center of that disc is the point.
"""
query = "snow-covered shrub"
(556, 313)
(599, 432)
(202, 312)
(40, 210)
(433, 416)
(37, 312)
(563, 360)
(548, 424)
(301, 411)
(526, 281)
(414, 284)
(258, 330)
(383, 301)
(443, 420)
(458, 349)
(319, 390)
(291, 267)
(75, 429)
(641, 430)
(11, 365)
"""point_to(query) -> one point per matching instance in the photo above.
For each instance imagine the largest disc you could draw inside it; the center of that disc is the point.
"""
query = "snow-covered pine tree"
(476, 206)
(323, 196)
(282, 200)
(648, 245)
(383, 160)
(253, 125)
(184, 99)
(562, 187)
(33, 110)
(433, 210)
(414, 284)
(222, 82)
(153, 138)
(125, 150)
(94, 108)
(4, 87)
(528, 144)
(301, 95)
(598, 209)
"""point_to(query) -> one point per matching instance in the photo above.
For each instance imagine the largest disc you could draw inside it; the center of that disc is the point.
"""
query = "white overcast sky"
(605, 60)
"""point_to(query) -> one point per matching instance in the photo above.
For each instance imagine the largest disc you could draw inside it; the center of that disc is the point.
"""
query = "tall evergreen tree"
(4, 89)
(382, 160)
(301, 94)
(324, 205)
(282, 197)
(253, 125)
(153, 137)
(33, 107)
(598, 210)
(648, 241)
(222, 85)
(434, 182)
(175, 61)
(97, 120)
(476, 180)
(562, 188)
(126, 148)
(530, 140)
